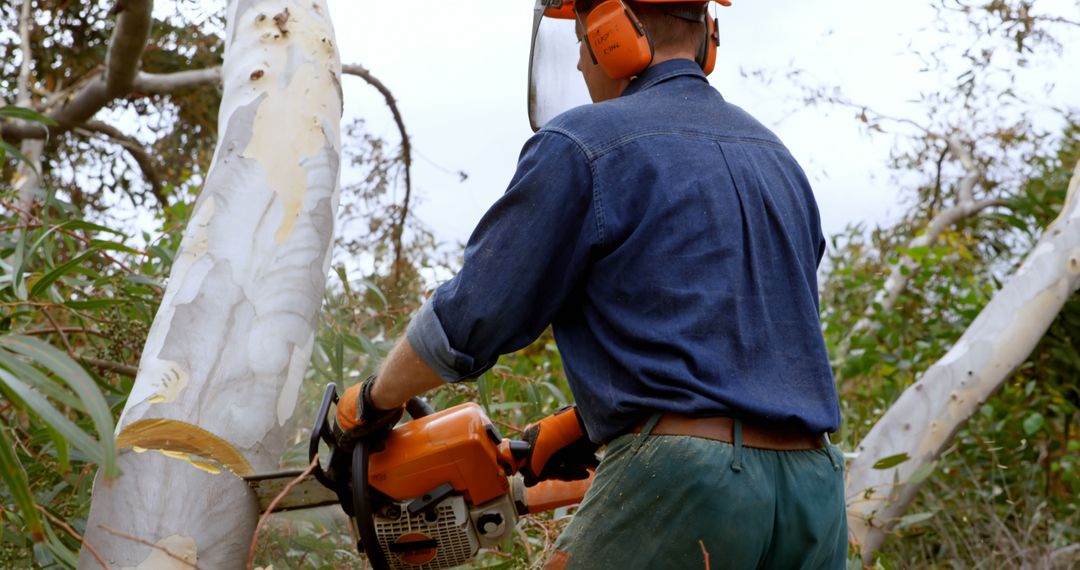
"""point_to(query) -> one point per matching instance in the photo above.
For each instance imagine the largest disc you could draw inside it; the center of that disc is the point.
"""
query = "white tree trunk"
(928, 414)
(220, 372)
(27, 181)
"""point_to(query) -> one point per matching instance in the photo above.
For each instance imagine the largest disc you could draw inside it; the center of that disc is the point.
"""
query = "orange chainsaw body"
(459, 446)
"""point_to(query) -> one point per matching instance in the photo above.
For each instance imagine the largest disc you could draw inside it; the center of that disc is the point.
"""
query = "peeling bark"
(926, 417)
(224, 358)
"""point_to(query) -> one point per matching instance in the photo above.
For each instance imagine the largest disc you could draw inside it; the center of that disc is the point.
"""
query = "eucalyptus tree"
(130, 111)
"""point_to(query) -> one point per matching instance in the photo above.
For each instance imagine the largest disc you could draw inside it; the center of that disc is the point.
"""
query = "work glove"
(358, 417)
(559, 448)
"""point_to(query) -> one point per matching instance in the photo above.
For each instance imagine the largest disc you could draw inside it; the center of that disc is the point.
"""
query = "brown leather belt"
(723, 429)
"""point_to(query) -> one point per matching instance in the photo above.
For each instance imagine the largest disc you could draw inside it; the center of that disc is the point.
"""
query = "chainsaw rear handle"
(558, 447)
(548, 495)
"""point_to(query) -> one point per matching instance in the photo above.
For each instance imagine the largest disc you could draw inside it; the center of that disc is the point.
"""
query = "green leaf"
(339, 359)
(340, 270)
(14, 477)
(18, 261)
(93, 304)
(1033, 423)
(6, 148)
(59, 550)
(24, 396)
(67, 370)
(58, 272)
(84, 225)
(142, 280)
(891, 461)
(13, 112)
(47, 386)
(917, 253)
(912, 519)
(114, 246)
(922, 473)
(371, 286)
(61, 446)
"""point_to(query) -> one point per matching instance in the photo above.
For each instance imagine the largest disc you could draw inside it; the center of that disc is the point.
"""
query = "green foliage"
(1005, 490)
(72, 293)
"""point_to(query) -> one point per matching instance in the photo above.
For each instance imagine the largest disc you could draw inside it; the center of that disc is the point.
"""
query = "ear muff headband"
(707, 53)
(617, 40)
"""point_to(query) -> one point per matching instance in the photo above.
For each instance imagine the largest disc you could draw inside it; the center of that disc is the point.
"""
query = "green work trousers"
(663, 501)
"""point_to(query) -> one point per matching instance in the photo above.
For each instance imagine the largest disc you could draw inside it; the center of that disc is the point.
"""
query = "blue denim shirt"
(672, 242)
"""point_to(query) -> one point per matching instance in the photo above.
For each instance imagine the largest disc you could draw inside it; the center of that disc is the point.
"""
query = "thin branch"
(146, 163)
(901, 272)
(965, 192)
(937, 179)
(704, 553)
(266, 515)
(160, 83)
(121, 64)
(51, 330)
(60, 332)
(1065, 557)
(119, 368)
(167, 552)
(406, 157)
(67, 528)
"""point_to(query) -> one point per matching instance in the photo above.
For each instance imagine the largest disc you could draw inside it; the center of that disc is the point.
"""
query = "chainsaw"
(431, 493)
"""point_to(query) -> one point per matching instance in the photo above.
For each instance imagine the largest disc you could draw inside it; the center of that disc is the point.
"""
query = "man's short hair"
(670, 24)
(673, 25)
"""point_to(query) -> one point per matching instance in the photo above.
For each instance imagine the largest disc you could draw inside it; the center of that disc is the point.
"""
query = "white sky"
(459, 73)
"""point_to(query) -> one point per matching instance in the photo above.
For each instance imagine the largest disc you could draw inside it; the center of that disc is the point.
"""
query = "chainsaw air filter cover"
(458, 446)
(444, 537)
(428, 542)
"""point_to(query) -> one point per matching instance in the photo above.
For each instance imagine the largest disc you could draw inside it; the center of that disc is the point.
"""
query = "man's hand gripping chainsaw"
(433, 490)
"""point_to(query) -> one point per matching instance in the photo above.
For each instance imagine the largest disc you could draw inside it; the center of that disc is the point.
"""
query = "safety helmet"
(616, 40)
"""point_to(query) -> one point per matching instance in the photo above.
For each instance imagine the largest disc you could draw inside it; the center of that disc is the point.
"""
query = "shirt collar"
(662, 72)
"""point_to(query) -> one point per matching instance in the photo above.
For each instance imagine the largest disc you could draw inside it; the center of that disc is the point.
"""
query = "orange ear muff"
(707, 54)
(617, 39)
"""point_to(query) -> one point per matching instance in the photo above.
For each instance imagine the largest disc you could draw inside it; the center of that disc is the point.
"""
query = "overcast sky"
(459, 72)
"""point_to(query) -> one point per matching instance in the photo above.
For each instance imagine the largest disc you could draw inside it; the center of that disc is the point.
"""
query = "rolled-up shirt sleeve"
(525, 258)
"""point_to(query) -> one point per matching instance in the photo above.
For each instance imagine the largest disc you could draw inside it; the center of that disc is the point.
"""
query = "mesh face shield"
(555, 84)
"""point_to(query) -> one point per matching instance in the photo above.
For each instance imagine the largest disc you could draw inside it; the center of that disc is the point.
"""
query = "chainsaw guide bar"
(307, 494)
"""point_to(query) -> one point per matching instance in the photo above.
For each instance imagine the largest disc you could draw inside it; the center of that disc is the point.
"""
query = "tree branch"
(67, 528)
(406, 157)
(965, 192)
(146, 162)
(121, 64)
(119, 368)
(901, 272)
(159, 83)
